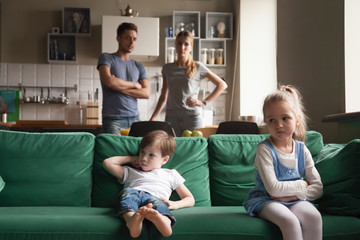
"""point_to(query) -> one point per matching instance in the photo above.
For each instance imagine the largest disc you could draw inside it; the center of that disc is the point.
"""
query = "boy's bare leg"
(161, 222)
(134, 221)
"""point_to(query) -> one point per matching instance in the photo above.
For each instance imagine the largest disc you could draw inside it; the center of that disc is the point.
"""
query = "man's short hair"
(126, 26)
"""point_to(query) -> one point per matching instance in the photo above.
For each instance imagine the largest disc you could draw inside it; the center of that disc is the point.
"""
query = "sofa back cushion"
(231, 159)
(190, 160)
(339, 168)
(46, 169)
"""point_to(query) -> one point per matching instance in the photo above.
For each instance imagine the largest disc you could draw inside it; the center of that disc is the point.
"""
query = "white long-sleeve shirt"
(264, 164)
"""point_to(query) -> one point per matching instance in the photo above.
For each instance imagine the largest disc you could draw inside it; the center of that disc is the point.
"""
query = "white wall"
(257, 54)
(352, 55)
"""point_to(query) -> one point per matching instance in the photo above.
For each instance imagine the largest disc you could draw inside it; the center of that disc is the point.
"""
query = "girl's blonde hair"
(190, 64)
(293, 97)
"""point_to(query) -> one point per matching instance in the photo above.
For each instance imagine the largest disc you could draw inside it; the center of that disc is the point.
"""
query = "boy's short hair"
(125, 26)
(162, 139)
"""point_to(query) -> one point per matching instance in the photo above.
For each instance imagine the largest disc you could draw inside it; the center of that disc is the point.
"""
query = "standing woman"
(181, 85)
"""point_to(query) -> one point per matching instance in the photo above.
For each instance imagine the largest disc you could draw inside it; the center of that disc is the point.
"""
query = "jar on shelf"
(203, 56)
(170, 54)
(219, 56)
(211, 56)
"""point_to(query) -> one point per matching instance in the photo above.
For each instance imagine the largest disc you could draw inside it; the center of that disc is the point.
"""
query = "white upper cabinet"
(147, 44)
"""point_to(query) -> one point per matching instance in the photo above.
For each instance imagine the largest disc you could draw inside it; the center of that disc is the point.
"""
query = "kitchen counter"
(51, 126)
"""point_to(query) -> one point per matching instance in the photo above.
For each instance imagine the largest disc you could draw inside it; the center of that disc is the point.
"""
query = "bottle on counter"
(4, 116)
(80, 112)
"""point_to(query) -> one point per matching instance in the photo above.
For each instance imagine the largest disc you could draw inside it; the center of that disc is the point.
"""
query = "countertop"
(48, 124)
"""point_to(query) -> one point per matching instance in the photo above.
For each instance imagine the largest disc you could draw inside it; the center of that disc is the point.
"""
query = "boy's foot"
(161, 222)
(134, 223)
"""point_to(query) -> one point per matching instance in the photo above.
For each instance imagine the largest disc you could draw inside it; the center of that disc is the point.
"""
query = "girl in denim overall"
(286, 178)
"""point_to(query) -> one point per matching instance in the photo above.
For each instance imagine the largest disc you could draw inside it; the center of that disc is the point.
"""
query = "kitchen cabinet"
(147, 44)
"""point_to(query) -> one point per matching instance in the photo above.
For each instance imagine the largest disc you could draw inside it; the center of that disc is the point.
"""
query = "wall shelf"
(212, 19)
(186, 20)
(76, 21)
(40, 99)
(215, 44)
(61, 48)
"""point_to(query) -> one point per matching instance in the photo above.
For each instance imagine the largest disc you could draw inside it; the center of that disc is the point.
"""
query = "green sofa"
(56, 187)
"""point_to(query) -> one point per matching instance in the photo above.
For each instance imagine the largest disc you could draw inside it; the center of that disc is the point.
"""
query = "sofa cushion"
(339, 168)
(233, 222)
(64, 223)
(190, 160)
(231, 159)
(46, 169)
(314, 142)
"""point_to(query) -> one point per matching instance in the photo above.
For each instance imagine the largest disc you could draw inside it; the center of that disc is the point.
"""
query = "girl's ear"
(298, 120)
(165, 159)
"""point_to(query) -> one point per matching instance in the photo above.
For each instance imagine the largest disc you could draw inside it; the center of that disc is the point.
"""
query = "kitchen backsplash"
(50, 81)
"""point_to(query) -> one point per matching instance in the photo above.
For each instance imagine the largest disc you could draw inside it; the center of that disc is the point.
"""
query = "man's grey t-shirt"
(116, 104)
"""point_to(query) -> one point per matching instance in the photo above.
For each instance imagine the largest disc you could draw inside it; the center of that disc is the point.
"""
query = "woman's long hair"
(190, 64)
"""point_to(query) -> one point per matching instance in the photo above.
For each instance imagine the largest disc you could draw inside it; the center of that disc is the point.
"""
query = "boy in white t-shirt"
(148, 187)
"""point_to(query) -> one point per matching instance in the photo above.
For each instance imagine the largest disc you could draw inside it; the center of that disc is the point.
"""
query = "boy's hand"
(136, 163)
(171, 204)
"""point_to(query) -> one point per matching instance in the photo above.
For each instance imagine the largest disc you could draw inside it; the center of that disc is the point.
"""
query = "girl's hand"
(170, 204)
(191, 102)
(284, 199)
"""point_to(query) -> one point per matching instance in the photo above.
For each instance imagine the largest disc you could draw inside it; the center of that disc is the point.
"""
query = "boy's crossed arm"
(114, 164)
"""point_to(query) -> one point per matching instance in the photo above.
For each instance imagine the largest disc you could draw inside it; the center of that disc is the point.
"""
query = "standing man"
(123, 80)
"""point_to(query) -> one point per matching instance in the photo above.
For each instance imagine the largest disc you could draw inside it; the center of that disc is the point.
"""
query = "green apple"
(197, 134)
(186, 133)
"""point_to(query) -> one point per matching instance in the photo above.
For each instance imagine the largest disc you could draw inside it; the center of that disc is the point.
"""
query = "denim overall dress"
(258, 196)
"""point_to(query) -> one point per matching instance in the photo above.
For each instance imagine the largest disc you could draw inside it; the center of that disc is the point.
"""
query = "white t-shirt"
(158, 182)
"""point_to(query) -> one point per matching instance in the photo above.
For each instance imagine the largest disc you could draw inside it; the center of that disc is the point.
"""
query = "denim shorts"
(130, 200)
(114, 124)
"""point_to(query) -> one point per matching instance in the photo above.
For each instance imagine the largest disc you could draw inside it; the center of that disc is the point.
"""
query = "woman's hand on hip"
(191, 102)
